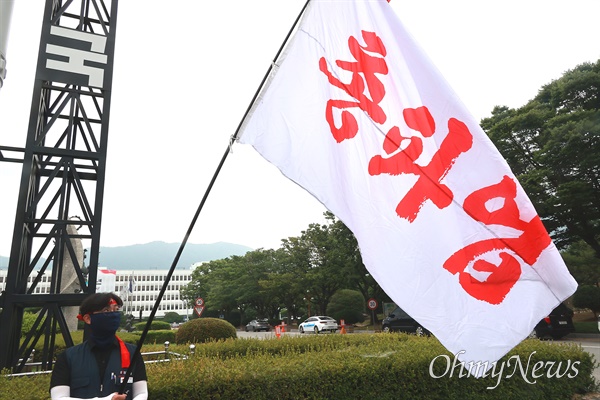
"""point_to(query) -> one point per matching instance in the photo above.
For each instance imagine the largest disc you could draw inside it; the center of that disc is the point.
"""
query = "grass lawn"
(585, 322)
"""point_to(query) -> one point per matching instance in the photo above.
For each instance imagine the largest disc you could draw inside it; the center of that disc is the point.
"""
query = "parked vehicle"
(257, 325)
(556, 325)
(400, 321)
(318, 324)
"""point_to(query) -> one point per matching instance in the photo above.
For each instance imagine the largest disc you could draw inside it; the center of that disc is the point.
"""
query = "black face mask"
(104, 326)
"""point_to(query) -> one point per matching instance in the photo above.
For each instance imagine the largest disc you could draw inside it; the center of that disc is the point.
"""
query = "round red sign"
(372, 304)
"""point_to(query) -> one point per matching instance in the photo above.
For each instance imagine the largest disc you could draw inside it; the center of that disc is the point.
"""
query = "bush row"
(369, 366)
(357, 366)
(154, 325)
(152, 337)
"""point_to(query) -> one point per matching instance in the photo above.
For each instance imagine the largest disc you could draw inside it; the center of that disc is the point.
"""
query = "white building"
(145, 285)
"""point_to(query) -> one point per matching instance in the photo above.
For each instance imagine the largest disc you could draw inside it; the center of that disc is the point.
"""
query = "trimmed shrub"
(159, 337)
(154, 326)
(27, 324)
(348, 305)
(203, 330)
(357, 366)
(77, 337)
(172, 316)
(364, 366)
(59, 343)
(130, 337)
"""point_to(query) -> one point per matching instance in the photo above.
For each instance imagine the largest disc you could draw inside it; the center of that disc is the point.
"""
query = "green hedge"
(152, 337)
(357, 366)
(586, 327)
(159, 337)
(154, 326)
(203, 330)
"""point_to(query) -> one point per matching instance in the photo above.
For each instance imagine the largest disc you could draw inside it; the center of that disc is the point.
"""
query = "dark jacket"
(85, 377)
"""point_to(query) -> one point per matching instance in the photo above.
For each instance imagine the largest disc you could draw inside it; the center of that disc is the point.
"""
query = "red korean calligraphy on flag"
(357, 115)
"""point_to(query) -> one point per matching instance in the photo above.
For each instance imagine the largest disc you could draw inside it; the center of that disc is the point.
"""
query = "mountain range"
(160, 255)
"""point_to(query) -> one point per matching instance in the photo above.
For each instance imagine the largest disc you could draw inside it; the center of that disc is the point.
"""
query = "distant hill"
(160, 255)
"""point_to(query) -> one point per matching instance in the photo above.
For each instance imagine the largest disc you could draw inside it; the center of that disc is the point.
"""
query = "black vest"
(85, 376)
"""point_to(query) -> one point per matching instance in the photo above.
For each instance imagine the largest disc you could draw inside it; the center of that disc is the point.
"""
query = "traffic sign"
(199, 306)
(198, 310)
(372, 304)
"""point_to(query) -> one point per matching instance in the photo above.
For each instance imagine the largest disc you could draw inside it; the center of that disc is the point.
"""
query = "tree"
(324, 267)
(237, 285)
(256, 268)
(552, 145)
(199, 283)
(357, 275)
(286, 281)
(171, 317)
(229, 287)
(205, 283)
(348, 305)
(588, 296)
(583, 264)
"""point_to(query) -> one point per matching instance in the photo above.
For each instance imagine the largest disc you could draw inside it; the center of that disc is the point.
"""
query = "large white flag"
(357, 115)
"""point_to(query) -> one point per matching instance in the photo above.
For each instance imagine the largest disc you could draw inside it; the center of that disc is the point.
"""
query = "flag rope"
(200, 206)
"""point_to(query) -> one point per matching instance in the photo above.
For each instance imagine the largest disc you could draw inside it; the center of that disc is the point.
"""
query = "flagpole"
(201, 205)
(126, 303)
(130, 292)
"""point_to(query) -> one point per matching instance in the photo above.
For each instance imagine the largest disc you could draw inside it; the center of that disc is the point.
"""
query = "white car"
(318, 324)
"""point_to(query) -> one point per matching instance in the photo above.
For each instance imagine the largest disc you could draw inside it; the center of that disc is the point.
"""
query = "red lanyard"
(124, 354)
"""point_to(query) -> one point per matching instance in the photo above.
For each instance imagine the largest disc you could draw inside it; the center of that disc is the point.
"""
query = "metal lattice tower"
(63, 176)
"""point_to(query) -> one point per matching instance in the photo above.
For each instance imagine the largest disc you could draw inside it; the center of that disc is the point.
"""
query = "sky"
(185, 74)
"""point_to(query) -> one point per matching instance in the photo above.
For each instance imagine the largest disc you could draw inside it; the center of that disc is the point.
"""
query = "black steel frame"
(63, 175)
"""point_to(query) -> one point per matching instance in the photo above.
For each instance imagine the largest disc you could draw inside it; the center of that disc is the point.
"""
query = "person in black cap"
(96, 368)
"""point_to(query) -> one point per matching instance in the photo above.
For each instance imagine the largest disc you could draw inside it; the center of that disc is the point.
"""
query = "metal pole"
(197, 214)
